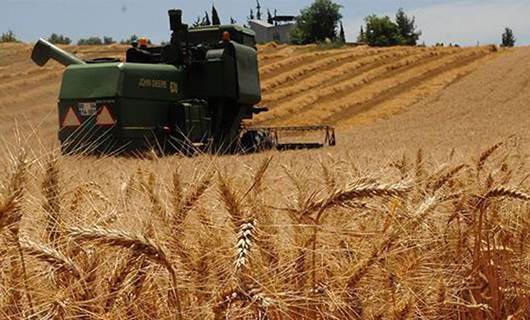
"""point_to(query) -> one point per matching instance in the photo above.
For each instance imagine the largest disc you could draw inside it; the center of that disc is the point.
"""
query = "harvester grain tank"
(193, 94)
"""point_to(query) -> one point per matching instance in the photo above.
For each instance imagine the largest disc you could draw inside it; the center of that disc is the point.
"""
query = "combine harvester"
(192, 95)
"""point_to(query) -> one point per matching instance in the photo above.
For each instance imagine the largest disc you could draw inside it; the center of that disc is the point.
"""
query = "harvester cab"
(191, 94)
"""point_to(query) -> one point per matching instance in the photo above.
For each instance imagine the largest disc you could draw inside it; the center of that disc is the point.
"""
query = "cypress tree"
(258, 10)
(269, 17)
(342, 35)
(215, 17)
(206, 20)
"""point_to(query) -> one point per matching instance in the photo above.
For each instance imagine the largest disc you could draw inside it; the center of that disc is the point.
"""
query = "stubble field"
(420, 212)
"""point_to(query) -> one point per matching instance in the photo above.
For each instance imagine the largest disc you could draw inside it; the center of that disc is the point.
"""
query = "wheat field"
(422, 211)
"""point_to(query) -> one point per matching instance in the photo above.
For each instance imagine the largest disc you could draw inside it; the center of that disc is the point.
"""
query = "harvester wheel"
(256, 141)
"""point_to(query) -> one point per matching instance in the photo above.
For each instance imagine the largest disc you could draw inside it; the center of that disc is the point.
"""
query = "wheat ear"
(245, 241)
(51, 256)
(231, 201)
(484, 156)
(507, 192)
(355, 191)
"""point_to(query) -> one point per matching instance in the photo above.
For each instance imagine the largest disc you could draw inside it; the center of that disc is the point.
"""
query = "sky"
(464, 22)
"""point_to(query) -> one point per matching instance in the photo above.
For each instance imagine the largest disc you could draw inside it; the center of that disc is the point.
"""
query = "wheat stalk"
(52, 206)
(137, 243)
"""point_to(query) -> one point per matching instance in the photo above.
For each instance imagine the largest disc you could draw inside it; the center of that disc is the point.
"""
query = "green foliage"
(8, 36)
(270, 20)
(133, 38)
(407, 28)
(206, 21)
(215, 17)
(108, 40)
(317, 22)
(508, 39)
(258, 10)
(381, 32)
(342, 35)
(59, 39)
(92, 41)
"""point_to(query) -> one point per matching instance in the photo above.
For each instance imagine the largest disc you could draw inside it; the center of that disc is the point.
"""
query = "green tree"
(258, 10)
(206, 20)
(382, 32)
(270, 20)
(91, 41)
(317, 22)
(59, 39)
(8, 36)
(215, 17)
(108, 40)
(407, 28)
(342, 35)
(508, 39)
(362, 36)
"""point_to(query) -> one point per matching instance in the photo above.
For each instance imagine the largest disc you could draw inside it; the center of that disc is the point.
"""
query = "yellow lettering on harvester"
(152, 83)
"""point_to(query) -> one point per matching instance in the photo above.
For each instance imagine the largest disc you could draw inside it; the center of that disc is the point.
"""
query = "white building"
(266, 32)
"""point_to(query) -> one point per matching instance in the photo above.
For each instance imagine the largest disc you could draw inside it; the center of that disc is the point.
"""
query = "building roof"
(261, 23)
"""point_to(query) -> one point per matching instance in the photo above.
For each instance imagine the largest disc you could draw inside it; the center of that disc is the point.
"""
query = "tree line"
(319, 22)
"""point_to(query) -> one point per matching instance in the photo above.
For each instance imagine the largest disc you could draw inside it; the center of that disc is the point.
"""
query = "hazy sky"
(458, 21)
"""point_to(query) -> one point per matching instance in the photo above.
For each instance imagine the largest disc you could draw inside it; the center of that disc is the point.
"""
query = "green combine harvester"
(189, 96)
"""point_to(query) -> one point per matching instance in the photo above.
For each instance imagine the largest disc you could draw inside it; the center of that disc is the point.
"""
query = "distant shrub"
(508, 39)
(59, 39)
(108, 40)
(92, 41)
(8, 36)
(133, 38)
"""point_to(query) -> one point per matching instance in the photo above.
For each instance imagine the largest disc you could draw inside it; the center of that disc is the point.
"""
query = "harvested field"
(422, 211)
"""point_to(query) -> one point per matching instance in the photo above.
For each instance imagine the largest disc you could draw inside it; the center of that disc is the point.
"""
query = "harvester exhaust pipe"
(44, 51)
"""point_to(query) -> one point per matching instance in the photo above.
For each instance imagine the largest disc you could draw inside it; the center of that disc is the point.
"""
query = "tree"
(317, 22)
(361, 37)
(133, 38)
(508, 39)
(258, 10)
(342, 35)
(381, 32)
(407, 28)
(270, 20)
(108, 40)
(92, 41)
(206, 20)
(59, 39)
(215, 17)
(197, 22)
(8, 36)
